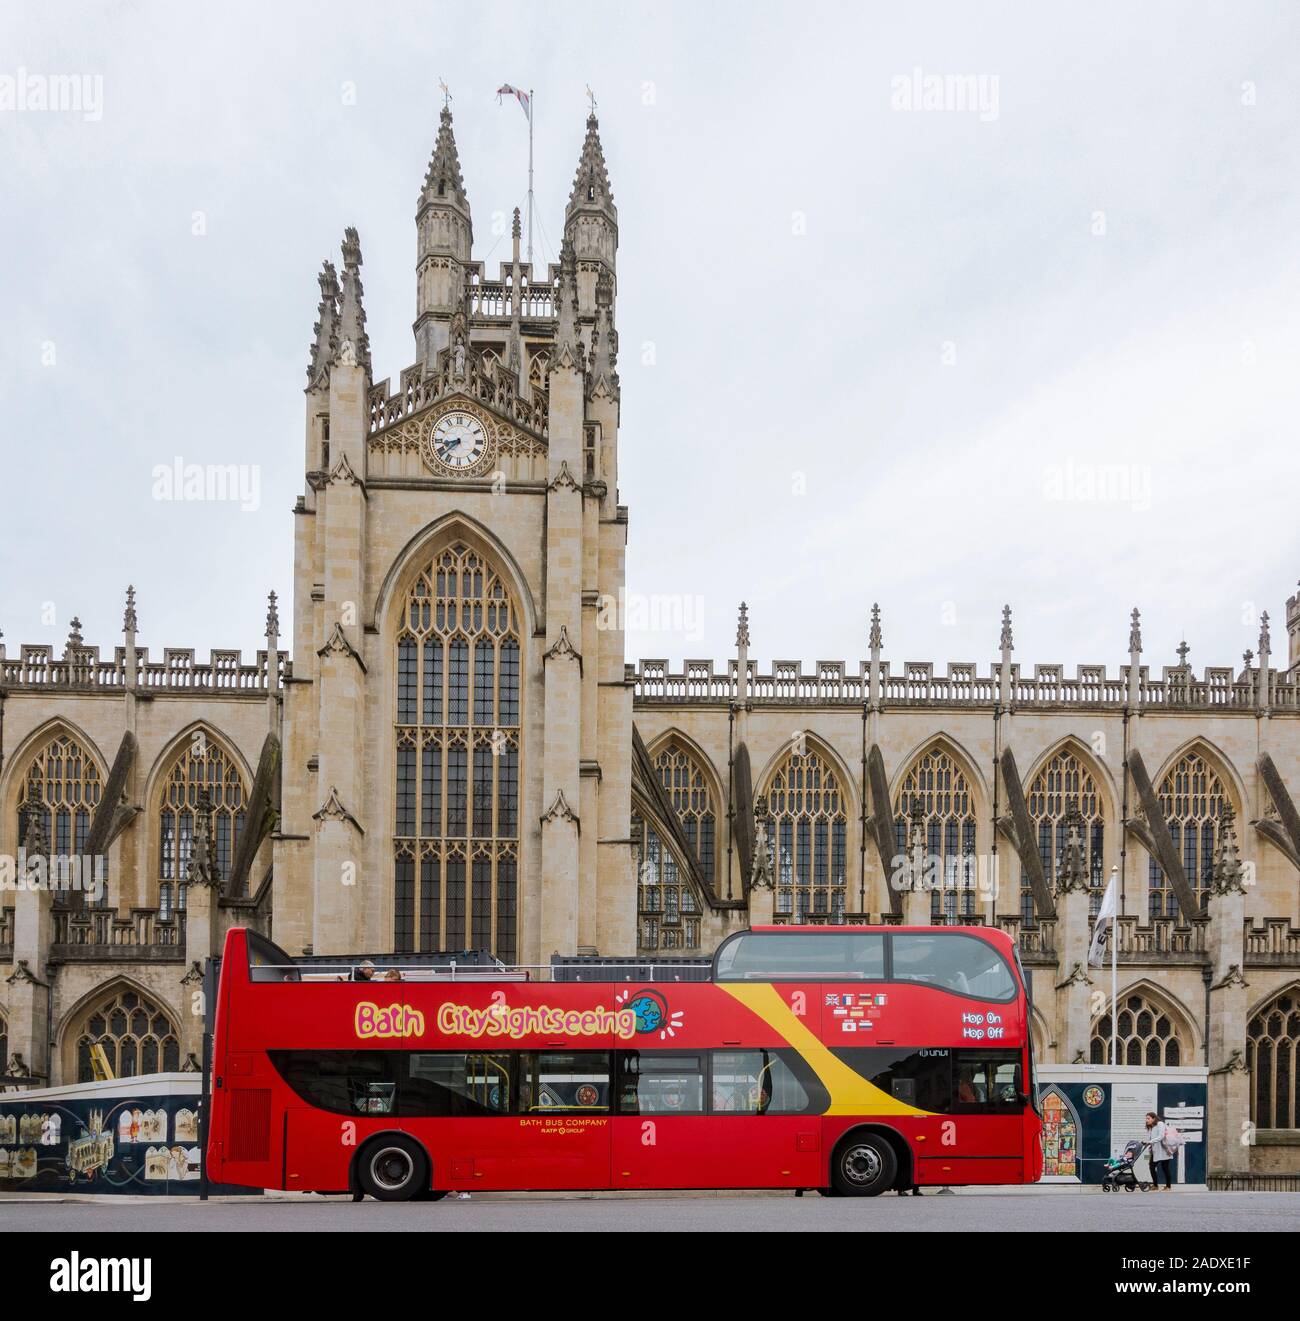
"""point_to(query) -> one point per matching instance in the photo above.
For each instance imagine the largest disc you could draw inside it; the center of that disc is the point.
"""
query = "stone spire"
(1135, 660)
(875, 640)
(1072, 873)
(916, 843)
(444, 236)
(202, 868)
(1265, 650)
(353, 342)
(1226, 871)
(130, 624)
(326, 330)
(75, 641)
(591, 191)
(1182, 650)
(1004, 672)
(742, 626)
(272, 617)
(443, 184)
(568, 351)
(591, 223)
(604, 340)
(34, 840)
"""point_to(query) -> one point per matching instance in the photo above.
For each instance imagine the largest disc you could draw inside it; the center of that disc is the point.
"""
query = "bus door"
(765, 1125)
(981, 1138)
(662, 1135)
(562, 1132)
(714, 1119)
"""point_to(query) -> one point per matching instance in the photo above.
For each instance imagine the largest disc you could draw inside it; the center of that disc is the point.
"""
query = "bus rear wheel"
(864, 1166)
(393, 1168)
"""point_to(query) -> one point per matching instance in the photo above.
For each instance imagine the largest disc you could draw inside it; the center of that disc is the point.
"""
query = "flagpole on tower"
(532, 106)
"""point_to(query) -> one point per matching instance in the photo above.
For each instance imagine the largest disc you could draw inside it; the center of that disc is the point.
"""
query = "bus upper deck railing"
(382, 971)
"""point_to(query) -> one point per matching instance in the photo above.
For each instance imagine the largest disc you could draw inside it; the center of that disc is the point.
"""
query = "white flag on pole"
(522, 97)
(1105, 921)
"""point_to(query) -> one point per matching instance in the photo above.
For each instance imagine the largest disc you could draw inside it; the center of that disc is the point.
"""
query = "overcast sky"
(871, 350)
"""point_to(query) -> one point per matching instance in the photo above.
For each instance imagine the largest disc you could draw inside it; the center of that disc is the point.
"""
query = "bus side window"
(756, 1082)
(660, 1083)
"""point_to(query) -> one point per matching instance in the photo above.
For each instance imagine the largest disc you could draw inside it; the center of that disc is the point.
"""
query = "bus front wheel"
(393, 1168)
(864, 1165)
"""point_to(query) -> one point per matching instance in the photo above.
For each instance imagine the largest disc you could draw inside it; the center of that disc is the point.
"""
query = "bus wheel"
(864, 1166)
(393, 1168)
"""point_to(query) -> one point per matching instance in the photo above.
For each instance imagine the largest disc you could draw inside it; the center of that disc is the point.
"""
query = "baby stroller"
(1119, 1170)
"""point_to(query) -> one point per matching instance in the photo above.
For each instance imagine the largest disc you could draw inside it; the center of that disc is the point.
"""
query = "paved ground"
(998, 1212)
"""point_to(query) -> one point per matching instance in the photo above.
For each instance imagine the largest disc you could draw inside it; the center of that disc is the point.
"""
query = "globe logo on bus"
(652, 1012)
(651, 1009)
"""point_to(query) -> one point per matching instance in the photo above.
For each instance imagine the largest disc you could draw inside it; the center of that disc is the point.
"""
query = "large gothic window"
(1272, 1048)
(668, 915)
(64, 785)
(456, 817)
(137, 1036)
(684, 780)
(1192, 797)
(938, 784)
(1062, 782)
(203, 768)
(809, 833)
(1147, 1035)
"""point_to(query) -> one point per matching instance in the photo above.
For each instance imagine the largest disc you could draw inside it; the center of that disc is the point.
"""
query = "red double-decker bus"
(852, 1060)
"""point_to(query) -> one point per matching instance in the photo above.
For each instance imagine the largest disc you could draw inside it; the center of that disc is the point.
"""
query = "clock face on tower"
(458, 441)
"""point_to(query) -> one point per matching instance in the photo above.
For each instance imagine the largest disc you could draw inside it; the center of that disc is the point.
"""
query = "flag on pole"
(522, 97)
(1105, 920)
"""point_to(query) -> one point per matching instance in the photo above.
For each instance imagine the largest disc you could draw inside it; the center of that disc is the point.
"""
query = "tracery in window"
(1192, 797)
(1148, 1034)
(136, 1034)
(684, 780)
(204, 767)
(456, 795)
(936, 782)
(667, 907)
(1272, 1049)
(1063, 781)
(64, 785)
(809, 833)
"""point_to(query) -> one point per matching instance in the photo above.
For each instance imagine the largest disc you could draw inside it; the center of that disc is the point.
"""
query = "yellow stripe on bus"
(850, 1093)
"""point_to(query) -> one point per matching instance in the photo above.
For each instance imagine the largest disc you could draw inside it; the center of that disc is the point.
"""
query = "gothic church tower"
(458, 725)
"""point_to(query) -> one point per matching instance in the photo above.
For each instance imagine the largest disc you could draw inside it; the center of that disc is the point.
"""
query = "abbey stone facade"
(456, 755)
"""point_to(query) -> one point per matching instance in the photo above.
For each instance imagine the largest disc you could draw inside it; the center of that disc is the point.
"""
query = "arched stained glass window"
(1272, 1047)
(137, 1036)
(1147, 1034)
(1192, 797)
(668, 912)
(809, 832)
(684, 779)
(204, 767)
(456, 799)
(64, 785)
(1062, 781)
(937, 782)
